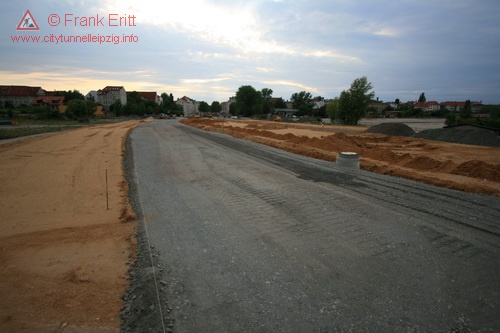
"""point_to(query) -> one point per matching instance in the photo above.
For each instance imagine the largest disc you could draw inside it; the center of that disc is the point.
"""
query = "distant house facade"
(453, 106)
(459, 106)
(431, 106)
(92, 95)
(149, 96)
(285, 113)
(226, 106)
(55, 103)
(19, 95)
(107, 96)
(189, 106)
(377, 106)
(319, 103)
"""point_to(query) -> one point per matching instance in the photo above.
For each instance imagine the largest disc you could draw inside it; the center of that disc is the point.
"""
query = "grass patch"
(16, 132)
(27, 127)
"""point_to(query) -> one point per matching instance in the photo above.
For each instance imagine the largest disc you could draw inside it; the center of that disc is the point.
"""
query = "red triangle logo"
(27, 22)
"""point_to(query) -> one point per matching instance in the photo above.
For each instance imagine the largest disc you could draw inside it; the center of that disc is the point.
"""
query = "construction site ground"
(469, 168)
(67, 233)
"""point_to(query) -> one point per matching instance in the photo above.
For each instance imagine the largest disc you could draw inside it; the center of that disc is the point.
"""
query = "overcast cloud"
(206, 49)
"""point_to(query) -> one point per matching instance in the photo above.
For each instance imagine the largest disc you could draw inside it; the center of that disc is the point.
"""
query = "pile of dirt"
(394, 129)
(477, 137)
(435, 162)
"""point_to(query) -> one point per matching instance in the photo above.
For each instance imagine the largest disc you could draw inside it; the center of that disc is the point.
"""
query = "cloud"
(290, 84)
(238, 27)
(266, 70)
(65, 78)
(206, 49)
(203, 81)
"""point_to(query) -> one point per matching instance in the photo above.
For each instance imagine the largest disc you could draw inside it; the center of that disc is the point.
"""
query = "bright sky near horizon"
(207, 49)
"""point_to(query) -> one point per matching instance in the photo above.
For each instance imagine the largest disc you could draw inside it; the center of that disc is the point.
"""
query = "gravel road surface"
(240, 237)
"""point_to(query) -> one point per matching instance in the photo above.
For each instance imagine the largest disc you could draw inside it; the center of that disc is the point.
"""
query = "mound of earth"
(467, 168)
(476, 136)
(394, 129)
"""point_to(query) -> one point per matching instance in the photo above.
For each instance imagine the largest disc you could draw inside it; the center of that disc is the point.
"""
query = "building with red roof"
(19, 95)
(52, 102)
(149, 96)
(110, 94)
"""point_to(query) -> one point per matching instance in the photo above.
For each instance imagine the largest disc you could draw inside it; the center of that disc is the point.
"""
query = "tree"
(134, 98)
(9, 104)
(492, 110)
(215, 107)
(248, 101)
(44, 112)
(422, 98)
(81, 109)
(333, 110)
(116, 108)
(75, 94)
(279, 104)
(397, 101)
(166, 101)
(232, 108)
(321, 111)
(466, 112)
(267, 93)
(302, 101)
(267, 106)
(204, 107)
(354, 102)
(451, 119)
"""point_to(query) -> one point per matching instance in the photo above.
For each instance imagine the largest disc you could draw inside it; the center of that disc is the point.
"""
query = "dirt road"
(64, 252)
(249, 238)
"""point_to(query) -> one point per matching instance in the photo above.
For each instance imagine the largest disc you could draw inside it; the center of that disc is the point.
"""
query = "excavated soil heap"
(462, 167)
(469, 136)
(394, 129)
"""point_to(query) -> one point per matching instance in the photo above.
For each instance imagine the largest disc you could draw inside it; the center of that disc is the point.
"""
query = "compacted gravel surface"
(239, 237)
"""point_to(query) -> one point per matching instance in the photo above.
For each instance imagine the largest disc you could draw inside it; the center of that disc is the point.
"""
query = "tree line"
(348, 108)
(79, 107)
(251, 102)
(137, 105)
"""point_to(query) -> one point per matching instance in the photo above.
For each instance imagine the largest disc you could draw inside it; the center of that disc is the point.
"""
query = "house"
(318, 103)
(285, 113)
(378, 106)
(453, 106)
(149, 96)
(19, 95)
(107, 96)
(431, 106)
(55, 103)
(92, 95)
(226, 106)
(189, 106)
(476, 106)
(459, 106)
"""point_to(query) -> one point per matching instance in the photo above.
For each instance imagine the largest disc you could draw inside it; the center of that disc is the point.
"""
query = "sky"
(207, 49)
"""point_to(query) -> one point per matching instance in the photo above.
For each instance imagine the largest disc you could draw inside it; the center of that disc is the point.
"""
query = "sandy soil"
(65, 250)
(468, 168)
